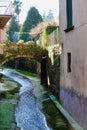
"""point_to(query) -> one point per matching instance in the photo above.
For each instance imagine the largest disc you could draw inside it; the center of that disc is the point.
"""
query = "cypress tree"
(32, 19)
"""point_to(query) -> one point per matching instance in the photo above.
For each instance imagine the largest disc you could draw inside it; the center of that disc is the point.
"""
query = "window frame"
(69, 62)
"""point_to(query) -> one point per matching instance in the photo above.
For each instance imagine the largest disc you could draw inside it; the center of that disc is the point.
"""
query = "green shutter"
(69, 13)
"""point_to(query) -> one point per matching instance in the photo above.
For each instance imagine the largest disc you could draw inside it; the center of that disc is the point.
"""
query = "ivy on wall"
(2, 57)
(44, 37)
(33, 51)
(50, 29)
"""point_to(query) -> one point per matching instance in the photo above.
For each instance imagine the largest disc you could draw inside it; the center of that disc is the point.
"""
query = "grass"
(22, 72)
(27, 73)
(8, 100)
(6, 115)
(54, 118)
(10, 84)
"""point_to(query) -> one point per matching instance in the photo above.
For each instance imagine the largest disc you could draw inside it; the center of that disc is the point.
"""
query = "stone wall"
(53, 71)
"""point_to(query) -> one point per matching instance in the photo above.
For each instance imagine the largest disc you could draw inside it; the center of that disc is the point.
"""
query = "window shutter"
(69, 13)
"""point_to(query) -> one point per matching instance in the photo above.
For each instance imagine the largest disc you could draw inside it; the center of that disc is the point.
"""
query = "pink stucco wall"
(2, 35)
(73, 85)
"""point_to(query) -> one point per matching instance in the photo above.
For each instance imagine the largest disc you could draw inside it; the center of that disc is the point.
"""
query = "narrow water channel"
(34, 110)
(55, 120)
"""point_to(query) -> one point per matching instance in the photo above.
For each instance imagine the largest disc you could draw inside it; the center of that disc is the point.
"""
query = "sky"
(43, 6)
(3, 6)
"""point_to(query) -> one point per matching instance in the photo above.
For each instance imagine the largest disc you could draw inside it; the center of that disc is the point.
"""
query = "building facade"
(2, 35)
(73, 73)
(5, 16)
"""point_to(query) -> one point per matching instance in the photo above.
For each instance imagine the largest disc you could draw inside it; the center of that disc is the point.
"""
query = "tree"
(12, 30)
(42, 31)
(32, 19)
(17, 8)
(50, 15)
(44, 16)
(13, 27)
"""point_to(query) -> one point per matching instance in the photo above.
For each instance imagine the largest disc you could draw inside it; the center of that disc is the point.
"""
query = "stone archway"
(27, 51)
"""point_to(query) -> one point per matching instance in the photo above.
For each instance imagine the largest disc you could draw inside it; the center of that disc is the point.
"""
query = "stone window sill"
(69, 29)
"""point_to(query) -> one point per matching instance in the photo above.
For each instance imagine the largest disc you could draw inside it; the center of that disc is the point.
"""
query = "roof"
(3, 20)
(5, 12)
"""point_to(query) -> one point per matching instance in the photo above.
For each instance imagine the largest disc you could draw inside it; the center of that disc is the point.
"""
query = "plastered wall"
(73, 85)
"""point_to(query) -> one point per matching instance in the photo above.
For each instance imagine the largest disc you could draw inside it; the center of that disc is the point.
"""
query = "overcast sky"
(41, 5)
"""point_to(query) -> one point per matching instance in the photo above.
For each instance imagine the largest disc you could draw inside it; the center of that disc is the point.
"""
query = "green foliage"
(13, 26)
(2, 57)
(8, 100)
(27, 65)
(1, 75)
(44, 38)
(6, 115)
(20, 55)
(11, 29)
(31, 51)
(55, 119)
(45, 35)
(50, 29)
(32, 19)
(54, 71)
(17, 6)
(27, 73)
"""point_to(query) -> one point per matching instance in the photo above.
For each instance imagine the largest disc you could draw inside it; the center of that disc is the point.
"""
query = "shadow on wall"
(53, 71)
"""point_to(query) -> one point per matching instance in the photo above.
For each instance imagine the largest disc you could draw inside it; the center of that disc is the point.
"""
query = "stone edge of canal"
(73, 125)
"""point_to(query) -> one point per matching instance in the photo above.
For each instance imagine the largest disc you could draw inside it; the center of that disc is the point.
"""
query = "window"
(69, 15)
(68, 62)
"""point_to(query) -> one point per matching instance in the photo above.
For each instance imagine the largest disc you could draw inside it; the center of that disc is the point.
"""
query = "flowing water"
(33, 113)
(28, 115)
